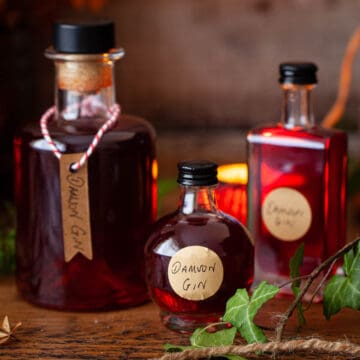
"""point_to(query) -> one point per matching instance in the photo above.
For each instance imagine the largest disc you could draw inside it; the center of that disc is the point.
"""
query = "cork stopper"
(83, 75)
(83, 53)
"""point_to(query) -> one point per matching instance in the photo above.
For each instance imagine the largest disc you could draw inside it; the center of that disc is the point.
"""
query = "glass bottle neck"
(81, 98)
(84, 87)
(297, 108)
(197, 199)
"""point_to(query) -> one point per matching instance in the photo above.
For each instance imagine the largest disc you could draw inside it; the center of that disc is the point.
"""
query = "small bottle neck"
(297, 110)
(195, 199)
(84, 87)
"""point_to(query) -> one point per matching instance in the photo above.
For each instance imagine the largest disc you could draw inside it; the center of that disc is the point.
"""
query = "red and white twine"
(113, 112)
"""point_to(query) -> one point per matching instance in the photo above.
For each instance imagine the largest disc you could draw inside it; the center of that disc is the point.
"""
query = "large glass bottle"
(197, 256)
(121, 184)
(297, 183)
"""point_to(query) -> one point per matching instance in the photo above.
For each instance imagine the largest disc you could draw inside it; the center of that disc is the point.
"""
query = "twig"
(320, 285)
(314, 346)
(302, 277)
(285, 317)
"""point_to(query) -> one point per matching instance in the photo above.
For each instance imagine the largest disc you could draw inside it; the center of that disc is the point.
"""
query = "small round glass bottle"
(197, 256)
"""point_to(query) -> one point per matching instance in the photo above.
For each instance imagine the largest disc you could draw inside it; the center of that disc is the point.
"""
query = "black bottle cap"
(83, 37)
(301, 73)
(197, 173)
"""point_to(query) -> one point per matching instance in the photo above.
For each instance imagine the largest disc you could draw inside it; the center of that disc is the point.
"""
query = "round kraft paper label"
(195, 273)
(286, 214)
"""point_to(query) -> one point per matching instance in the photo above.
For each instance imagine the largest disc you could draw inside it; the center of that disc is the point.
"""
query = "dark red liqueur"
(217, 232)
(122, 196)
(312, 162)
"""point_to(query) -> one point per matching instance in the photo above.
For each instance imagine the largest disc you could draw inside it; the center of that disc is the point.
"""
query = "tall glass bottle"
(121, 184)
(297, 183)
(197, 256)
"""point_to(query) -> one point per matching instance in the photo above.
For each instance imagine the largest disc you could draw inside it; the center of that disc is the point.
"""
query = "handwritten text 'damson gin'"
(197, 256)
(81, 225)
(297, 183)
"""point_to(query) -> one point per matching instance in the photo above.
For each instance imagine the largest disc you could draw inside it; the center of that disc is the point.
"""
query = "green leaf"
(179, 348)
(165, 186)
(230, 357)
(295, 264)
(344, 291)
(176, 348)
(202, 338)
(300, 310)
(241, 311)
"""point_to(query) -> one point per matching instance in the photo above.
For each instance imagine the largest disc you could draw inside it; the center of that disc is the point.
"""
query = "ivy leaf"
(201, 337)
(344, 291)
(228, 357)
(240, 310)
(176, 348)
(295, 264)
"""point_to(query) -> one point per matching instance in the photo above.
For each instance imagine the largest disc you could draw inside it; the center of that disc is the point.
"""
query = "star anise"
(6, 332)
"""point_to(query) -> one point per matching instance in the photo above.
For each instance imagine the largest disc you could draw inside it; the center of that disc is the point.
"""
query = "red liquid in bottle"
(232, 199)
(122, 207)
(297, 184)
(207, 237)
(313, 163)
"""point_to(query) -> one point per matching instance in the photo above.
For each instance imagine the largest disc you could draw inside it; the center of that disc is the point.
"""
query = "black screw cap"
(84, 37)
(301, 73)
(197, 173)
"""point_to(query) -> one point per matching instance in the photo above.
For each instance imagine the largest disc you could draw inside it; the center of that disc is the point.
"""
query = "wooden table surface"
(131, 334)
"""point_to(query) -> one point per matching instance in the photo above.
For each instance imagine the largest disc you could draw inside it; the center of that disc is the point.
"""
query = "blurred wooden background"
(202, 72)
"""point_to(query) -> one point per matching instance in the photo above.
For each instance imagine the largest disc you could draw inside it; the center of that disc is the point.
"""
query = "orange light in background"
(154, 173)
(154, 170)
(231, 192)
(93, 5)
(233, 173)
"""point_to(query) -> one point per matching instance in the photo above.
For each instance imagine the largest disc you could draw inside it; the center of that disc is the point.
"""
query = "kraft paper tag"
(195, 273)
(75, 208)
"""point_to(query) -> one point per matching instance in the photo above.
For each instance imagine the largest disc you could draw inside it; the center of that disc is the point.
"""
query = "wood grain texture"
(130, 334)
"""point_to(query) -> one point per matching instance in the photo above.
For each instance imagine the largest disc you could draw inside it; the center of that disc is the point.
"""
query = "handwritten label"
(286, 214)
(195, 273)
(75, 208)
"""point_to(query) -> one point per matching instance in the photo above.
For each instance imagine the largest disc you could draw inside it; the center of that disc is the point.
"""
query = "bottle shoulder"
(87, 127)
(273, 134)
(130, 130)
(135, 123)
(216, 231)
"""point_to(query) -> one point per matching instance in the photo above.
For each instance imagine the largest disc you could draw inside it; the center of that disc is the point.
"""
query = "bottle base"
(84, 305)
(187, 323)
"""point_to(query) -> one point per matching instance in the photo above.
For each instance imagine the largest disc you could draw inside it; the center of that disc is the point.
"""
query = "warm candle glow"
(155, 170)
(233, 173)
(154, 188)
